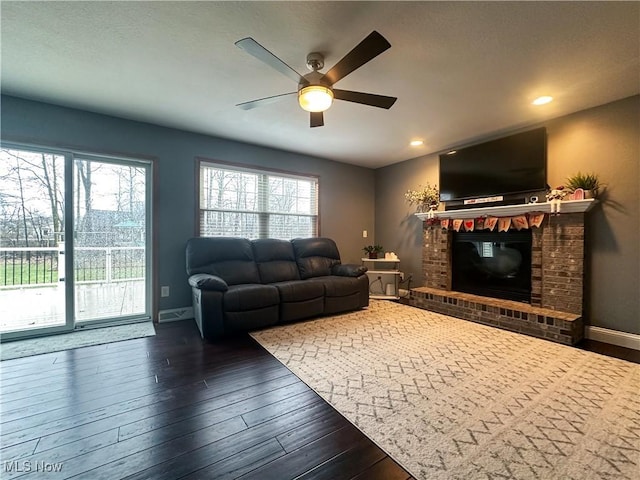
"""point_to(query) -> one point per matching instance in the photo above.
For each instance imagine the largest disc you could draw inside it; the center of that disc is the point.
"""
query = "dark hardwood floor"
(173, 406)
(609, 350)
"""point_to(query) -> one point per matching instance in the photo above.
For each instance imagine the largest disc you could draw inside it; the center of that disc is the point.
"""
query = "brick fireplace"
(555, 308)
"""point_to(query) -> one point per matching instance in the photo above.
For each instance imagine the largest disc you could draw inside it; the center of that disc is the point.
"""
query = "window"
(251, 203)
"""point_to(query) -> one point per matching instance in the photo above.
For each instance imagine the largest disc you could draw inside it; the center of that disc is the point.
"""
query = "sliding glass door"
(51, 280)
(111, 255)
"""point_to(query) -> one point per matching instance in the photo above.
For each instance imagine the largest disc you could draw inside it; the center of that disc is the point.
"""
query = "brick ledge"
(554, 325)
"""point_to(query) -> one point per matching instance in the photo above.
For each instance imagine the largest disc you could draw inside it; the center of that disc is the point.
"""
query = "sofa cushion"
(275, 259)
(315, 256)
(240, 298)
(335, 286)
(299, 290)
(228, 258)
(294, 311)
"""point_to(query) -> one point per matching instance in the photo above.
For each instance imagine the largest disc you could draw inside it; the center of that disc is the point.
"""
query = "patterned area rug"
(81, 338)
(451, 399)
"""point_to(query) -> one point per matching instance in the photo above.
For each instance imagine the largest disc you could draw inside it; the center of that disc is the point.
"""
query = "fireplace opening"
(492, 264)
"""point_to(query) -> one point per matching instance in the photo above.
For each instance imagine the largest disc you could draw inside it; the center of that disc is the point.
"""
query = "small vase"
(373, 255)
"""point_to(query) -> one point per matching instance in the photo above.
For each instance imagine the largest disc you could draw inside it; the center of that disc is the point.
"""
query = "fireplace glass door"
(493, 264)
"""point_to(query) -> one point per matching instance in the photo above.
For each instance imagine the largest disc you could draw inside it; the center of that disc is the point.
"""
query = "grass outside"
(13, 275)
(27, 274)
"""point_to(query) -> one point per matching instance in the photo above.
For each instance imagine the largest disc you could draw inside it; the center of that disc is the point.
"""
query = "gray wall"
(605, 140)
(346, 191)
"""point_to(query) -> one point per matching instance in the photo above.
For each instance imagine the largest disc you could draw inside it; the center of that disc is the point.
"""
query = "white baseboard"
(614, 337)
(175, 314)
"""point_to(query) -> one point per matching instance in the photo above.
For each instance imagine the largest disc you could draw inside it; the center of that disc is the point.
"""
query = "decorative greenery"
(586, 181)
(427, 195)
(373, 249)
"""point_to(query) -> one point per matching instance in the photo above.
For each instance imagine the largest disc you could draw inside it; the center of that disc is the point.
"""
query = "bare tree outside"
(83, 196)
(230, 199)
(255, 205)
(32, 198)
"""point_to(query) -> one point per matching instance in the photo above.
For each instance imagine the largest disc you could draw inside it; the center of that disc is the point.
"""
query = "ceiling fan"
(315, 89)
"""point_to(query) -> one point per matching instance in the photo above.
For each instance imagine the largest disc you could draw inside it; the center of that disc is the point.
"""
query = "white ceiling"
(460, 70)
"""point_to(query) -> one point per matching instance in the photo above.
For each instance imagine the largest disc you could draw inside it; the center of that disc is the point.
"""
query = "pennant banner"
(504, 223)
(468, 225)
(535, 219)
(519, 222)
(490, 223)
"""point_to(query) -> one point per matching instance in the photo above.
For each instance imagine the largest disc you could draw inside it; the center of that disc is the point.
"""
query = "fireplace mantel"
(566, 206)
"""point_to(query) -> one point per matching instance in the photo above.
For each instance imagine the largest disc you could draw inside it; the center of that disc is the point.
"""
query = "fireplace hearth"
(492, 264)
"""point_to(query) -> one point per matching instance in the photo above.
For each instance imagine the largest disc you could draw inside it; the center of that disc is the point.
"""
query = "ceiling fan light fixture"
(315, 98)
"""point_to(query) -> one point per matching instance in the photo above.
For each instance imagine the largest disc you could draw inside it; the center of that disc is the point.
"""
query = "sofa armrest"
(204, 281)
(348, 270)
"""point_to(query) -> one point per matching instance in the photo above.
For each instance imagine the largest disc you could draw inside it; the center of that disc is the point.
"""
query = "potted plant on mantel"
(426, 198)
(588, 182)
(373, 250)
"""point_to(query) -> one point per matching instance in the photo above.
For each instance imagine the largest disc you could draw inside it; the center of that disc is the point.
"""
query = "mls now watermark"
(28, 466)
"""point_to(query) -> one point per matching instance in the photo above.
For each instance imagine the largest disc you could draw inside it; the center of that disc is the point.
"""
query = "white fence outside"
(109, 282)
(92, 265)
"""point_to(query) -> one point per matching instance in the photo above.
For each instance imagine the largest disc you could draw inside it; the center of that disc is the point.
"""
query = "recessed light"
(542, 100)
(416, 143)
(451, 152)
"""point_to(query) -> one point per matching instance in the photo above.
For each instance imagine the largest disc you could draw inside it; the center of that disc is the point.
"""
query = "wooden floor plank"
(170, 460)
(385, 469)
(207, 413)
(343, 466)
(18, 451)
(241, 463)
(86, 444)
(309, 456)
(306, 433)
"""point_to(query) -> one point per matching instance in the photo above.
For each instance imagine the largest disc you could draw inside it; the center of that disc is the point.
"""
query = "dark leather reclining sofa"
(241, 285)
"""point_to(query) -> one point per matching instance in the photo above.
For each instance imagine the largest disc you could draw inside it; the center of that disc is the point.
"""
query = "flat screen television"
(506, 166)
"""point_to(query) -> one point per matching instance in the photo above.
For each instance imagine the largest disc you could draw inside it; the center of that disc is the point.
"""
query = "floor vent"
(175, 314)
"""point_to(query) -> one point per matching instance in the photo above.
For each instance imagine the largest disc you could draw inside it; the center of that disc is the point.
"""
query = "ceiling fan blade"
(366, 50)
(380, 101)
(253, 48)
(263, 101)
(316, 119)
